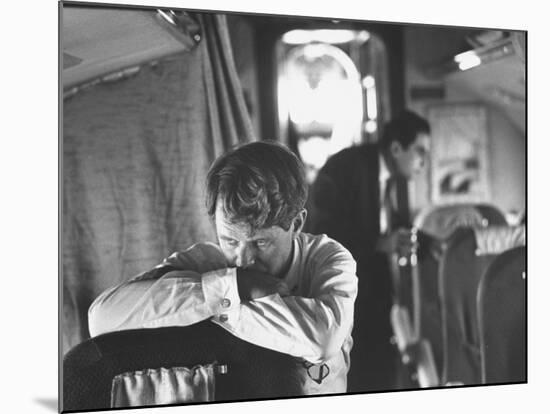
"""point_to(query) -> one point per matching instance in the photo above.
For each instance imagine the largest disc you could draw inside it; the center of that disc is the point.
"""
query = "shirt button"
(226, 303)
(223, 318)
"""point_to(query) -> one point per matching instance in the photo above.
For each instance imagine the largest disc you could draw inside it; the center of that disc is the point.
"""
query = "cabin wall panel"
(425, 46)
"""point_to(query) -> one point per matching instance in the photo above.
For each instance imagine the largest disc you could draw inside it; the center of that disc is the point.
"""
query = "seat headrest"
(444, 220)
(495, 240)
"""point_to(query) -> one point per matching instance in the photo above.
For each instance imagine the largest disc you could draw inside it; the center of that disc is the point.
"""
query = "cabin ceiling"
(500, 84)
(100, 41)
(496, 75)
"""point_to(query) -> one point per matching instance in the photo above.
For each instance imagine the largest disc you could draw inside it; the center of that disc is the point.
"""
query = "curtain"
(135, 157)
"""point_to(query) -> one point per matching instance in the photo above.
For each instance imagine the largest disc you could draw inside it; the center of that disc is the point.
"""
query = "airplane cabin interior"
(151, 96)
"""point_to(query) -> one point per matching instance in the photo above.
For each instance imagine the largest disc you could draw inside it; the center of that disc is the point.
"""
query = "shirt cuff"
(221, 294)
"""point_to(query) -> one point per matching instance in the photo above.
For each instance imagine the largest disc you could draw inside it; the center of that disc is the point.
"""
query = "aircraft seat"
(502, 310)
(491, 214)
(105, 371)
(466, 256)
(440, 221)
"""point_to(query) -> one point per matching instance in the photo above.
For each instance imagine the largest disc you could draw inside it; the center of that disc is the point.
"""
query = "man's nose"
(245, 257)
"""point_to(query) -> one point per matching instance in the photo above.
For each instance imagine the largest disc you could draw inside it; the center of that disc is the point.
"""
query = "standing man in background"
(360, 199)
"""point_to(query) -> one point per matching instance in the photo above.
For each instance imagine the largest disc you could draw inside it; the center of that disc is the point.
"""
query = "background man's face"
(410, 161)
(265, 250)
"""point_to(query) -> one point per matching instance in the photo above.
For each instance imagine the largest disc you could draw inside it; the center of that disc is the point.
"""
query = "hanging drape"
(135, 157)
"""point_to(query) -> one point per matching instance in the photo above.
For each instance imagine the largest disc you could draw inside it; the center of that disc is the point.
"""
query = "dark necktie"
(396, 202)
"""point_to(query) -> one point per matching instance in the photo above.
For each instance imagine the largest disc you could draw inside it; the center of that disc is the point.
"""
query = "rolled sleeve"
(185, 288)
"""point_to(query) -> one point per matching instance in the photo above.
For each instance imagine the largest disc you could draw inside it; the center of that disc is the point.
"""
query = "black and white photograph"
(274, 207)
(260, 206)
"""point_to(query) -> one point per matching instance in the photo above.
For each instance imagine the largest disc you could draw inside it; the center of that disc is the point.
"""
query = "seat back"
(430, 310)
(466, 256)
(253, 372)
(441, 221)
(491, 214)
(502, 319)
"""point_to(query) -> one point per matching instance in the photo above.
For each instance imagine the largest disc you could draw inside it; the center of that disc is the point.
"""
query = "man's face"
(410, 161)
(265, 250)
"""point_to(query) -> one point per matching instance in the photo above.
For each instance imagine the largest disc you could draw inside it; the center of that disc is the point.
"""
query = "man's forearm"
(313, 324)
(313, 329)
(179, 298)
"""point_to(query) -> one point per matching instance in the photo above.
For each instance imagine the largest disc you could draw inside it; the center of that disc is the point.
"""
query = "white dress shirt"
(313, 323)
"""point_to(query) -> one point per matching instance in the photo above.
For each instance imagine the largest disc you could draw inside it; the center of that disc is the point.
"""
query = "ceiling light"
(333, 36)
(467, 60)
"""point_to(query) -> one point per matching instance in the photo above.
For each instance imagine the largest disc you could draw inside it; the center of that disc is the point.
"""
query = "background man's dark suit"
(345, 204)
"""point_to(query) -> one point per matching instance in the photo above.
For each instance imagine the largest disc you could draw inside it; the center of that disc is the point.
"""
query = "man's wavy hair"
(261, 184)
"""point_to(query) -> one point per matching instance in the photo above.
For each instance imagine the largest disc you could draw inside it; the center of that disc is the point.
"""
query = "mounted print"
(459, 154)
(233, 183)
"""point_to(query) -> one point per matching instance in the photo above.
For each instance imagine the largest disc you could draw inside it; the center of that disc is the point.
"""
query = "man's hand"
(400, 241)
(254, 285)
